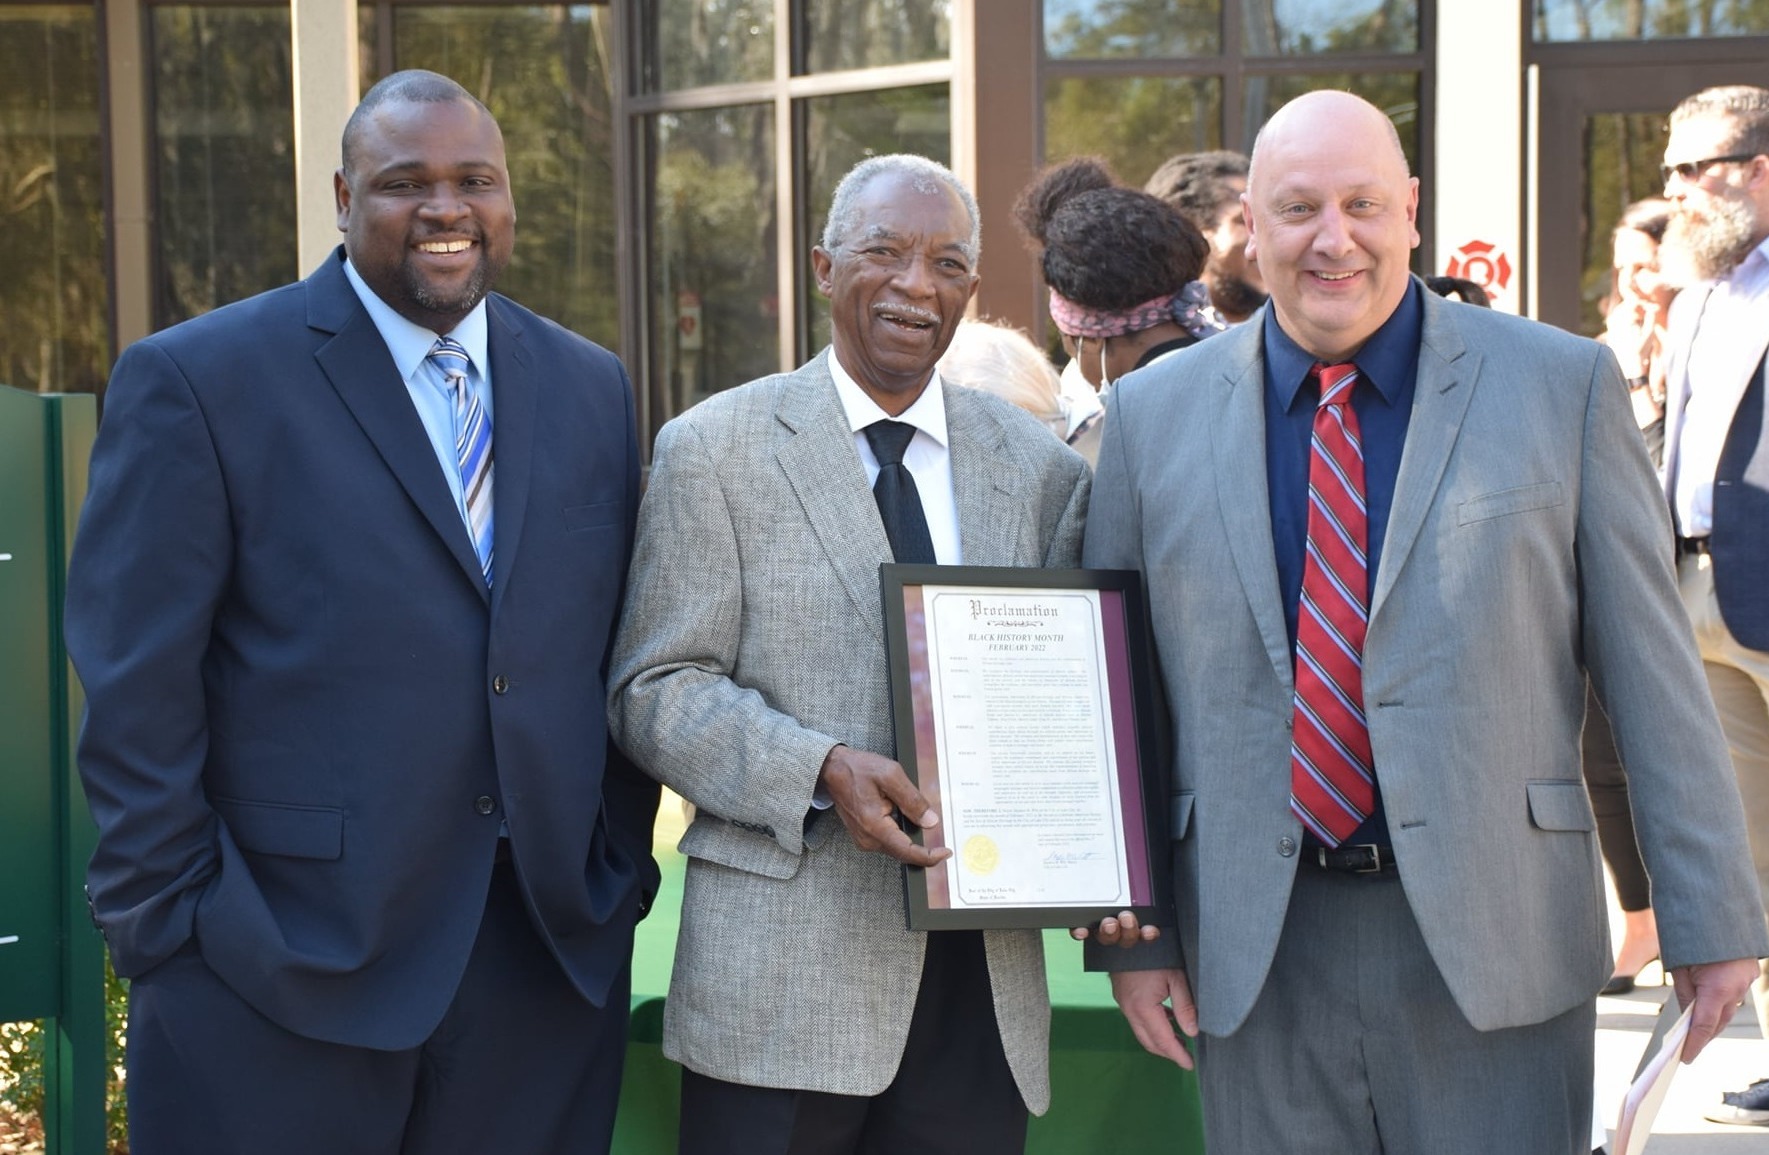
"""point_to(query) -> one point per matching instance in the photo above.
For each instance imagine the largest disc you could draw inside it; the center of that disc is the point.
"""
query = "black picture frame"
(1124, 685)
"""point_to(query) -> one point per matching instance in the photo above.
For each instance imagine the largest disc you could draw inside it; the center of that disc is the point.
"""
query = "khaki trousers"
(1739, 680)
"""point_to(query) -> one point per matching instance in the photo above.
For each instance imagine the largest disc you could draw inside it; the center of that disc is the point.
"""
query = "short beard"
(1234, 297)
(454, 305)
(1713, 243)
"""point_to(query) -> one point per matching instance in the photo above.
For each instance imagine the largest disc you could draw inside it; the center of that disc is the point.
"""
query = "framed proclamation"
(1021, 708)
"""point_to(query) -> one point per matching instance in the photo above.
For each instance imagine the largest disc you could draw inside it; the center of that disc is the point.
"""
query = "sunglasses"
(1689, 170)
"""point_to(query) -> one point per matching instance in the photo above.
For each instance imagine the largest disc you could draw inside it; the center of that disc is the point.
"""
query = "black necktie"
(899, 504)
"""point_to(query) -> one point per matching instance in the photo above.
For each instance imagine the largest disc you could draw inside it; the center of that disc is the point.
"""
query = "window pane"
(690, 43)
(224, 141)
(54, 295)
(1135, 124)
(840, 34)
(842, 131)
(1395, 93)
(1099, 28)
(714, 316)
(1648, 19)
(543, 72)
(1308, 27)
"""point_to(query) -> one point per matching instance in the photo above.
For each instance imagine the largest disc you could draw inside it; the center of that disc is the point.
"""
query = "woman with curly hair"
(1122, 267)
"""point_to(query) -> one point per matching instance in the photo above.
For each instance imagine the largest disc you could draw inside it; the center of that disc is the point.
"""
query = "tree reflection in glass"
(54, 296)
(691, 43)
(1310, 27)
(1648, 19)
(712, 232)
(842, 34)
(842, 131)
(544, 73)
(1135, 122)
(224, 143)
(1091, 29)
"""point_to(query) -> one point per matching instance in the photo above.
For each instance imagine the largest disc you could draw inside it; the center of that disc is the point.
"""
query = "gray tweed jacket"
(753, 642)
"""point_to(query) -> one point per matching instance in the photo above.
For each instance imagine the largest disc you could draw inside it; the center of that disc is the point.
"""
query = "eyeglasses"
(1689, 170)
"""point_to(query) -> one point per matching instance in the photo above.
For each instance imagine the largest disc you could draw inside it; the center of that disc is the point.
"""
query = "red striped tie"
(1331, 786)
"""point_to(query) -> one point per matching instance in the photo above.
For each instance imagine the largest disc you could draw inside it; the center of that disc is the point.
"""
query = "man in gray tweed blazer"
(750, 676)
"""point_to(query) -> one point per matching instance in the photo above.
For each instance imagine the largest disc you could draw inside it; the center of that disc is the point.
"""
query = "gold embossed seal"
(981, 855)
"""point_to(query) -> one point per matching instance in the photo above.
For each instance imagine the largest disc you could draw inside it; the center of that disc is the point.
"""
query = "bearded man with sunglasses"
(1716, 173)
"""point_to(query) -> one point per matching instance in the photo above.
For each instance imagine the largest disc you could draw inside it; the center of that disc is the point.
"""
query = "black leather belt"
(1692, 545)
(1365, 858)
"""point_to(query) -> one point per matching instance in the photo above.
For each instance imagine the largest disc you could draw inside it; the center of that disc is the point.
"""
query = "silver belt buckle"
(1375, 866)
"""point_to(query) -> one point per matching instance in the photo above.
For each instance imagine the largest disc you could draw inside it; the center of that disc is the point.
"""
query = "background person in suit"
(364, 848)
(1717, 446)
(750, 675)
(1411, 967)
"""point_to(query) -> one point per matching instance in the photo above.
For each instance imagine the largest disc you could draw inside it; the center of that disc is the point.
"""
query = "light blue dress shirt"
(410, 345)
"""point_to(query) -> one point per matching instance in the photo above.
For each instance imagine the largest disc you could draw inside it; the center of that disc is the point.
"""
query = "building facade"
(672, 159)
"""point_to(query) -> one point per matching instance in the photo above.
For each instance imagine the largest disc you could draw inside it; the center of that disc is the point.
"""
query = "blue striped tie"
(472, 446)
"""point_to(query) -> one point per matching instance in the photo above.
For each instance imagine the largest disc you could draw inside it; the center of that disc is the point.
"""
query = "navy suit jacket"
(1741, 520)
(307, 716)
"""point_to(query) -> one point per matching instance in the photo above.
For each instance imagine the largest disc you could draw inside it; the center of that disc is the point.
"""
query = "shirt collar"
(410, 342)
(1750, 275)
(1385, 361)
(927, 414)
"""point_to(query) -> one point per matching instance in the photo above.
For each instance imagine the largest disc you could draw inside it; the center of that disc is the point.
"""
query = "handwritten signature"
(1071, 857)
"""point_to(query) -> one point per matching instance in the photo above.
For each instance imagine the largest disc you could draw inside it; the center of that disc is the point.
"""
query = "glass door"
(1602, 137)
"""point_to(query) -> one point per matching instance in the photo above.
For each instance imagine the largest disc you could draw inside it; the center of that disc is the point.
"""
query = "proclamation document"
(1024, 737)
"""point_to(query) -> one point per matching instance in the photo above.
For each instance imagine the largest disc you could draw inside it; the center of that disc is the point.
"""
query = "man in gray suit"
(1716, 172)
(1386, 536)
(750, 676)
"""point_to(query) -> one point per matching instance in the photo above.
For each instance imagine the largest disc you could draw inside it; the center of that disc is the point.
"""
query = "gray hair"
(923, 175)
(1745, 106)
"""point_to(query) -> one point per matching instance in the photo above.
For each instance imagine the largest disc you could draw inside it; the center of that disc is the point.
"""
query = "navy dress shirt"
(1388, 367)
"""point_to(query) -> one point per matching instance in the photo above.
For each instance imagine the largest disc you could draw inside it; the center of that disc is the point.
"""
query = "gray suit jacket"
(753, 642)
(1526, 545)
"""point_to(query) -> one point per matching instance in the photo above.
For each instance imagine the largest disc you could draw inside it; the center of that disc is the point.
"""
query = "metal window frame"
(1234, 69)
(786, 90)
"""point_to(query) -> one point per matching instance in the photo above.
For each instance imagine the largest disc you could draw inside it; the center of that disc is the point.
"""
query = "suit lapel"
(515, 391)
(1243, 492)
(1686, 314)
(823, 468)
(359, 367)
(985, 482)
(1448, 370)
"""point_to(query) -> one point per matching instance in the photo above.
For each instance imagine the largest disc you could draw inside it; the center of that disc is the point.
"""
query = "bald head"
(1333, 215)
(1329, 111)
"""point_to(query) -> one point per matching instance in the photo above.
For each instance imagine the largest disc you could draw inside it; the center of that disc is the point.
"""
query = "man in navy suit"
(365, 850)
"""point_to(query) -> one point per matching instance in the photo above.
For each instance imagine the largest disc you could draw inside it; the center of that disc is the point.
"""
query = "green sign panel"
(51, 959)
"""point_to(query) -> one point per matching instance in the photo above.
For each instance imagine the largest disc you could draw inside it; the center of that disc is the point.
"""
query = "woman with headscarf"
(1122, 267)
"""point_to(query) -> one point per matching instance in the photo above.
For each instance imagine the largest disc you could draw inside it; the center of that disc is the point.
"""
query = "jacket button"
(484, 804)
(500, 684)
(1286, 846)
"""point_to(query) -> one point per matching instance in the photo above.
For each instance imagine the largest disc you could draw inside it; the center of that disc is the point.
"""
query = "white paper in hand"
(1647, 1093)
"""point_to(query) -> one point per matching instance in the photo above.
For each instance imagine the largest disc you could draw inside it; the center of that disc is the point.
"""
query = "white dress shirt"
(1721, 363)
(928, 458)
